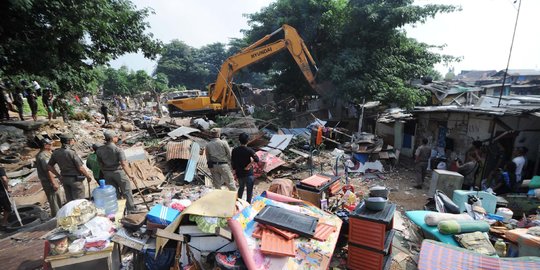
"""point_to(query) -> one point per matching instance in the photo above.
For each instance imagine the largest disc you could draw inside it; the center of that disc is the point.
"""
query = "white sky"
(481, 33)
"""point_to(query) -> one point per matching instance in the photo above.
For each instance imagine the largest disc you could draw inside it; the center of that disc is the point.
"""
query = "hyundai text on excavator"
(221, 98)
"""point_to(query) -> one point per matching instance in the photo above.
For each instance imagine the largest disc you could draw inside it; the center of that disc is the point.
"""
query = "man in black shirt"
(5, 204)
(241, 160)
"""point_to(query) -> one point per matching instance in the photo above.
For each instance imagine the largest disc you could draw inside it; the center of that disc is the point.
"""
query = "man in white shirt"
(520, 162)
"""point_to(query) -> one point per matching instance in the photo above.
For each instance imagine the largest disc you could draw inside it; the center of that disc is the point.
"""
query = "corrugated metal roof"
(302, 132)
(178, 150)
(182, 150)
(24, 250)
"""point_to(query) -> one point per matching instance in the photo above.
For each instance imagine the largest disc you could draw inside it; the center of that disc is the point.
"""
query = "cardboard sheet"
(217, 203)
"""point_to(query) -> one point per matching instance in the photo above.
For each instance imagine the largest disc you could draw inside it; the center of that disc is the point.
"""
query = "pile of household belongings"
(81, 228)
(275, 231)
(464, 239)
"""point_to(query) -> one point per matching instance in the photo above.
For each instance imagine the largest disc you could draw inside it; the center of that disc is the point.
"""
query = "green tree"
(359, 46)
(116, 82)
(247, 74)
(64, 40)
(178, 63)
(139, 82)
(450, 75)
(210, 57)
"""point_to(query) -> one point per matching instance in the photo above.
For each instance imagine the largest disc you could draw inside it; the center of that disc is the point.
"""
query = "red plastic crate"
(365, 258)
(367, 233)
(357, 261)
(368, 228)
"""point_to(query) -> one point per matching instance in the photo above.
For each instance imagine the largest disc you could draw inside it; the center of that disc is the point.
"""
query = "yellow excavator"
(221, 98)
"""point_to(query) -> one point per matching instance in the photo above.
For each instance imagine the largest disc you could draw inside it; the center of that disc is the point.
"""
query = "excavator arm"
(222, 98)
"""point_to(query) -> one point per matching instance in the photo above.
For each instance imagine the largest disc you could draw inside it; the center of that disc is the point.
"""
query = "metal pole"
(509, 54)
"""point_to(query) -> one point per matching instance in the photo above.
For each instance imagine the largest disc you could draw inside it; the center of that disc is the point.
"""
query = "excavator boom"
(221, 98)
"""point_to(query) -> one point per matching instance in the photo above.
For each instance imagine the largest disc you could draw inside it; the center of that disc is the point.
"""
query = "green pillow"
(462, 226)
(535, 182)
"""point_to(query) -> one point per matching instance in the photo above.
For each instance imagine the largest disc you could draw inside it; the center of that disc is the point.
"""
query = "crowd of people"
(13, 96)
(486, 168)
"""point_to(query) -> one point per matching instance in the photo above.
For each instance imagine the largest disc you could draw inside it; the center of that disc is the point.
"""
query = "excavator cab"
(221, 97)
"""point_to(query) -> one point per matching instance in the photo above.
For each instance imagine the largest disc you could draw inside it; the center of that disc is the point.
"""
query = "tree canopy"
(127, 82)
(195, 68)
(359, 45)
(64, 40)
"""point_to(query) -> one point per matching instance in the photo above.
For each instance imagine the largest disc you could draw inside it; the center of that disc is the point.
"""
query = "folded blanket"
(462, 226)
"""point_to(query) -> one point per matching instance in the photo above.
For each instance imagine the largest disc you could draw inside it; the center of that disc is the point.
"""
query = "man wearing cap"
(114, 167)
(49, 184)
(72, 171)
(218, 155)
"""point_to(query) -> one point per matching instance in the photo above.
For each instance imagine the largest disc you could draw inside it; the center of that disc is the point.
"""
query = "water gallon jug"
(105, 198)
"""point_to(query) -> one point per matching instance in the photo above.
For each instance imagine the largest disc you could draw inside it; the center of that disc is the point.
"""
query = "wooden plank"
(169, 235)
(302, 154)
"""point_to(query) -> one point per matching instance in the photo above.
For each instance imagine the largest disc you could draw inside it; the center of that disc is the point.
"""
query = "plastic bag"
(76, 246)
(75, 213)
(100, 227)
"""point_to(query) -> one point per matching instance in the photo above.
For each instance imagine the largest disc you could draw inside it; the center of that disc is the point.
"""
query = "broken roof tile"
(284, 233)
(274, 244)
(323, 231)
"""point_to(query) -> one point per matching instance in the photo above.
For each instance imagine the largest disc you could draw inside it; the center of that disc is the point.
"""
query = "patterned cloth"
(436, 255)
(476, 241)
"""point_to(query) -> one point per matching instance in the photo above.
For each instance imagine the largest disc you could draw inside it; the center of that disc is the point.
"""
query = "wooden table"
(108, 258)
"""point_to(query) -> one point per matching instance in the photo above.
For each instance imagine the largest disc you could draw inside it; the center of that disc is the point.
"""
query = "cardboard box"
(310, 196)
(162, 215)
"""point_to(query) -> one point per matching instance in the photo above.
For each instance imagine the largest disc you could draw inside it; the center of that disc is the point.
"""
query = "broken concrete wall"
(463, 128)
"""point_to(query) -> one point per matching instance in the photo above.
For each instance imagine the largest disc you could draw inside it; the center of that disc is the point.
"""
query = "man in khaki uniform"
(218, 156)
(49, 184)
(114, 166)
(423, 153)
(72, 172)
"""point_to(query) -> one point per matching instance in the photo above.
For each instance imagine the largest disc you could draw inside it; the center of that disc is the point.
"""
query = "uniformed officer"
(218, 156)
(72, 169)
(114, 167)
(50, 185)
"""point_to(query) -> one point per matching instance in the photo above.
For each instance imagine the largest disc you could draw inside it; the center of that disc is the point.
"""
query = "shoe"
(418, 186)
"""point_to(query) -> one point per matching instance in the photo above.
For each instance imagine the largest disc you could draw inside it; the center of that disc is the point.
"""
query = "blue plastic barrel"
(105, 198)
